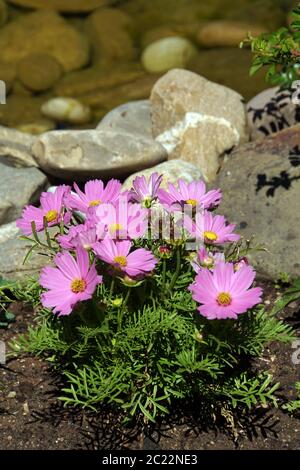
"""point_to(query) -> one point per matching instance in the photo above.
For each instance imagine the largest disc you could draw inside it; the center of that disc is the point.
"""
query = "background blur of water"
(113, 72)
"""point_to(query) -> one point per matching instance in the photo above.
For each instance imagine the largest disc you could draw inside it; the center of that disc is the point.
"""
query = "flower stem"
(164, 268)
(38, 241)
(122, 309)
(112, 286)
(47, 232)
(67, 330)
(177, 270)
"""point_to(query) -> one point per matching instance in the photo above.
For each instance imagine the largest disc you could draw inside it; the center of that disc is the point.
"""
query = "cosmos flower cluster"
(106, 233)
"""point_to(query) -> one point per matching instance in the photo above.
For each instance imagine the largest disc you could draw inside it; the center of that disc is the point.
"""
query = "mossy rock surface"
(96, 78)
(44, 32)
(21, 110)
(66, 6)
(39, 72)
(7, 74)
(154, 13)
(3, 12)
(109, 30)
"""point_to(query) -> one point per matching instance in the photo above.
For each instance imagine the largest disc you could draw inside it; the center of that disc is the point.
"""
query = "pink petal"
(223, 276)
(215, 312)
(184, 190)
(242, 279)
(67, 264)
(123, 247)
(205, 285)
(82, 261)
(112, 191)
(94, 190)
(246, 300)
(53, 278)
(104, 252)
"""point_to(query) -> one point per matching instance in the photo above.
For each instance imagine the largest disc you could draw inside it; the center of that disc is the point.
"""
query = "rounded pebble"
(67, 110)
(168, 53)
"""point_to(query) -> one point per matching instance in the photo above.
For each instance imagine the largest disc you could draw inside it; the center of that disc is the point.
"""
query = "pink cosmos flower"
(94, 194)
(145, 191)
(193, 194)
(206, 259)
(211, 229)
(72, 281)
(117, 253)
(121, 221)
(225, 293)
(83, 235)
(52, 208)
(69, 241)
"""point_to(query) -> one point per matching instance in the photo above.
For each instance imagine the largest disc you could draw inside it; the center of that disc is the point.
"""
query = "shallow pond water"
(112, 54)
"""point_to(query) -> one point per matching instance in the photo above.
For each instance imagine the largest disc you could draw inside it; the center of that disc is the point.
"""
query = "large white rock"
(197, 120)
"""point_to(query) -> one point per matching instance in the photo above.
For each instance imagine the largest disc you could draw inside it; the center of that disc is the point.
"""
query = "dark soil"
(31, 417)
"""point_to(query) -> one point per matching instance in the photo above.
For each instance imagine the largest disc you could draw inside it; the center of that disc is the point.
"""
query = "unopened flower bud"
(164, 252)
(130, 282)
(117, 302)
(147, 202)
(198, 336)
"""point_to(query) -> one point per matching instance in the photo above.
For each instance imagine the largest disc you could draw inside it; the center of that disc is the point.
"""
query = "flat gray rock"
(94, 153)
(13, 252)
(261, 193)
(19, 187)
(15, 148)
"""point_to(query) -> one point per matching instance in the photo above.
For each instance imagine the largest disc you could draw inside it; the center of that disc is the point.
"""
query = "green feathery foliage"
(279, 52)
(143, 355)
(294, 405)
(290, 295)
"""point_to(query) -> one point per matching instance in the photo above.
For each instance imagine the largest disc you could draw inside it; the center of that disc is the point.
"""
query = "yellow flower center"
(95, 203)
(210, 236)
(224, 299)
(192, 202)
(78, 285)
(121, 261)
(51, 216)
(113, 228)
